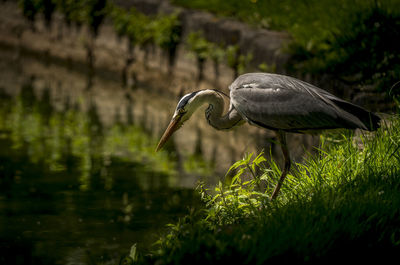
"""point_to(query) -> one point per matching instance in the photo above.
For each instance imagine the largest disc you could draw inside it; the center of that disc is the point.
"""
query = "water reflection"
(74, 191)
(80, 182)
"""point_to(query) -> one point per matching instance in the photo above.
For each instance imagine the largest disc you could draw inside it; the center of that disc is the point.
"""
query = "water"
(79, 182)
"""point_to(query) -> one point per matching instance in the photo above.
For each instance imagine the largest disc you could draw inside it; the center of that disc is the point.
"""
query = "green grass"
(341, 204)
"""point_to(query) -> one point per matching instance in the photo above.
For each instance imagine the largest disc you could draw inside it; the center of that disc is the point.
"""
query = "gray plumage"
(285, 103)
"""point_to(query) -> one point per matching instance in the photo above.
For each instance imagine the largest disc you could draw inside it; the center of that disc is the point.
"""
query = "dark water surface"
(80, 182)
(73, 189)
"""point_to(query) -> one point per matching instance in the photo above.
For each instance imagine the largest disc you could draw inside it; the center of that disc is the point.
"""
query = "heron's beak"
(172, 127)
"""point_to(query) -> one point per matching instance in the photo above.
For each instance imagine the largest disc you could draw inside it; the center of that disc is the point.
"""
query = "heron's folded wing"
(285, 108)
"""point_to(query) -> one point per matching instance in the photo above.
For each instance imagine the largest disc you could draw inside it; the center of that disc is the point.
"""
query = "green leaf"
(133, 253)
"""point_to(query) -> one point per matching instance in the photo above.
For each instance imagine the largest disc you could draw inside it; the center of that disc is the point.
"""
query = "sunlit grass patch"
(343, 202)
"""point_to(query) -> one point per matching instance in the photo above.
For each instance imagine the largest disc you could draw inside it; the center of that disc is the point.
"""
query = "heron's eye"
(181, 111)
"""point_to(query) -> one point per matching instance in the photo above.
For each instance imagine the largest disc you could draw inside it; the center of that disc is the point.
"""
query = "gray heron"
(276, 102)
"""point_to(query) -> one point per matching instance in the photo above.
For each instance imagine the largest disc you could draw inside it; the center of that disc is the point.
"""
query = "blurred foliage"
(163, 30)
(198, 45)
(196, 164)
(135, 25)
(120, 18)
(267, 68)
(357, 41)
(359, 46)
(72, 11)
(168, 31)
(204, 50)
(236, 60)
(365, 50)
(91, 12)
(168, 34)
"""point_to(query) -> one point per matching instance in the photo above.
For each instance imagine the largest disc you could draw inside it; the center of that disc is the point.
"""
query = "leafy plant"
(168, 33)
(244, 62)
(120, 19)
(72, 10)
(236, 60)
(163, 30)
(217, 55)
(203, 49)
(232, 53)
(243, 196)
(137, 27)
(200, 47)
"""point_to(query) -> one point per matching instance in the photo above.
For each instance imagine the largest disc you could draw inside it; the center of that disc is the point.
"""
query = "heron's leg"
(282, 140)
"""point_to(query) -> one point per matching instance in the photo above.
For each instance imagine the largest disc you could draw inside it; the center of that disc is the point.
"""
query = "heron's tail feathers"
(371, 121)
(364, 119)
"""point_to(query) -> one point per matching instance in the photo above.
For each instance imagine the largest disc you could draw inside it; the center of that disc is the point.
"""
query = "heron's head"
(184, 110)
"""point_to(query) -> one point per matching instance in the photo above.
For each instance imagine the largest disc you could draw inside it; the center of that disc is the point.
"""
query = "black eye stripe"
(182, 103)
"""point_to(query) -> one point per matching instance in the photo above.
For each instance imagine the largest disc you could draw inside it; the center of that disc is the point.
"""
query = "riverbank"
(342, 204)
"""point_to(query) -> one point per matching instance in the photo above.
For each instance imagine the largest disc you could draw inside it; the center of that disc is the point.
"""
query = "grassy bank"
(342, 204)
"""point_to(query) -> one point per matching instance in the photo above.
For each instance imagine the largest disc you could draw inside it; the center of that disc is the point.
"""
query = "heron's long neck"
(214, 112)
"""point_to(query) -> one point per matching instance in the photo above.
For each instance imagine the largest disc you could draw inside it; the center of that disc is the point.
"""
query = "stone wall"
(70, 45)
(266, 47)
